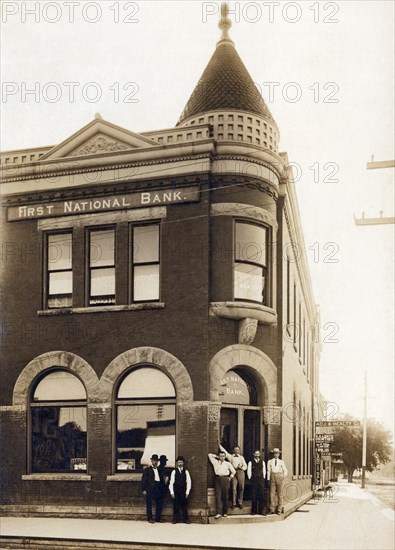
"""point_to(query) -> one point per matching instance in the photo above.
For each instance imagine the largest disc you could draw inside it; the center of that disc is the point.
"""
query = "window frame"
(132, 264)
(138, 401)
(89, 269)
(71, 403)
(266, 269)
(47, 271)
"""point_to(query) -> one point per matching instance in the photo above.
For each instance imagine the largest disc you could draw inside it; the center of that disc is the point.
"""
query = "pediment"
(98, 137)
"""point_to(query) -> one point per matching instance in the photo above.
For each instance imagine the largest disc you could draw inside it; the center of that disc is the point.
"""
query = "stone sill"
(56, 477)
(124, 477)
(244, 310)
(101, 309)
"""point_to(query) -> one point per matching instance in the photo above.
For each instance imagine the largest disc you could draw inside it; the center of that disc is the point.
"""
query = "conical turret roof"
(225, 83)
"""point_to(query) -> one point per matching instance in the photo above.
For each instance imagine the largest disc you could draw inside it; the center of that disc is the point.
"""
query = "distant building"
(156, 299)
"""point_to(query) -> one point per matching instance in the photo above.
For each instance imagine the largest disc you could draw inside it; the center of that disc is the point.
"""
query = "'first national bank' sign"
(103, 204)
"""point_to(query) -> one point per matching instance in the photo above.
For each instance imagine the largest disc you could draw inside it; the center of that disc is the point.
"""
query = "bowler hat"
(163, 457)
(154, 457)
(180, 458)
(276, 450)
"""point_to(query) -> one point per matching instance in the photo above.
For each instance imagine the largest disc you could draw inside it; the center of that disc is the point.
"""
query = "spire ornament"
(225, 24)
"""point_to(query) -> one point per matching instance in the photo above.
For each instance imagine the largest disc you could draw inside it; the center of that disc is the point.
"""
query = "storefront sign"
(338, 423)
(324, 437)
(103, 204)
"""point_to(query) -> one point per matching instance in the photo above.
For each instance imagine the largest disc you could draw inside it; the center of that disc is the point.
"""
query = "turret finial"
(225, 23)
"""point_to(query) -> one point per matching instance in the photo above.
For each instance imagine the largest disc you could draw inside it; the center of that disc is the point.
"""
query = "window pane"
(249, 282)
(146, 383)
(146, 244)
(59, 386)
(103, 282)
(102, 248)
(146, 282)
(250, 243)
(143, 430)
(60, 282)
(59, 251)
(58, 439)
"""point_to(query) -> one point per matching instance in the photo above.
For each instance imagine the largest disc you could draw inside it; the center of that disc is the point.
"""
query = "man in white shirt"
(276, 472)
(256, 472)
(238, 481)
(180, 487)
(224, 471)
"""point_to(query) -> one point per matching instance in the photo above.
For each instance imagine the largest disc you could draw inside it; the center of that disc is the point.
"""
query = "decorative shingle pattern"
(225, 84)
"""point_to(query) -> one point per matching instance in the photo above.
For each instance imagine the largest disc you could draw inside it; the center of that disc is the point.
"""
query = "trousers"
(180, 506)
(276, 490)
(155, 494)
(238, 482)
(222, 494)
(257, 496)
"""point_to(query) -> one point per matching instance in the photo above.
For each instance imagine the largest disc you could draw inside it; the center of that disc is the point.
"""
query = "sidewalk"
(351, 519)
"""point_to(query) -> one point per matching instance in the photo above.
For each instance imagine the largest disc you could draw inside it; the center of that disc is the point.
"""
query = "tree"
(349, 442)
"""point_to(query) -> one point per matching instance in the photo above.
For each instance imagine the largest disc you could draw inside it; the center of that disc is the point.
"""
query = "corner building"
(157, 299)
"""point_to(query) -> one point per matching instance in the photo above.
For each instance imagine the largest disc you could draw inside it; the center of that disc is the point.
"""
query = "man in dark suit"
(256, 473)
(153, 486)
(180, 487)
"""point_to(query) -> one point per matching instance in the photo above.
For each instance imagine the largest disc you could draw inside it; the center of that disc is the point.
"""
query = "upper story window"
(251, 261)
(145, 268)
(59, 280)
(58, 424)
(101, 267)
(145, 418)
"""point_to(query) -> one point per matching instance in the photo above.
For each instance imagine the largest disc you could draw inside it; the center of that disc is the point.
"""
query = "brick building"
(157, 299)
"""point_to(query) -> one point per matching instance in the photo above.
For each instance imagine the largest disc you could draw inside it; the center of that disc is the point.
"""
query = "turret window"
(250, 268)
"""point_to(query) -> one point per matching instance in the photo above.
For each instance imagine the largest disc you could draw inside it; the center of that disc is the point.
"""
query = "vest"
(180, 481)
(256, 470)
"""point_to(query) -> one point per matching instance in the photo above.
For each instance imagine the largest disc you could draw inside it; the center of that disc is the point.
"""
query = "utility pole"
(378, 220)
(365, 420)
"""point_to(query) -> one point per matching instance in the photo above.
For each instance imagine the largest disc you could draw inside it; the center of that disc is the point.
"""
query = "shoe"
(240, 506)
(271, 513)
(225, 515)
(160, 521)
(174, 522)
(233, 506)
(217, 516)
(151, 521)
(279, 513)
(187, 522)
(253, 513)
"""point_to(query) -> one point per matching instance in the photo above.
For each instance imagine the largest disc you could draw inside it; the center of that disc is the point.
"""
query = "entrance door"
(229, 428)
(252, 432)
(241, 425)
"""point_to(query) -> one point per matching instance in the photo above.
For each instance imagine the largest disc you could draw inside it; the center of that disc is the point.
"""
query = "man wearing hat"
(180, 487)
(276, 472)
(153, 487)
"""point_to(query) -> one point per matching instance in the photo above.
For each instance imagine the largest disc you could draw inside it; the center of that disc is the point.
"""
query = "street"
(351, 519)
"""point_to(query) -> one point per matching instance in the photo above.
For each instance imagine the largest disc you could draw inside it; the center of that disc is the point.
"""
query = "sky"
(325, 70)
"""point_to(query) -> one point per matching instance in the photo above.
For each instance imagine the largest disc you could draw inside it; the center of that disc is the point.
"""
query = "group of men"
(229, 469)
(232, 468)
(155, 482)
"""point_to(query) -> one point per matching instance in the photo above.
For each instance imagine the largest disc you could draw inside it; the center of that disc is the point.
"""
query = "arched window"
(145, 419)
(58, 423)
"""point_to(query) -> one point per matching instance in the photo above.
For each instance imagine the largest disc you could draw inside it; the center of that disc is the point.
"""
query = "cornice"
(66, 172)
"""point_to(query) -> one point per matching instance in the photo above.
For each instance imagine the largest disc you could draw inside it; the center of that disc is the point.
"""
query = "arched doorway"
(241, 419)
